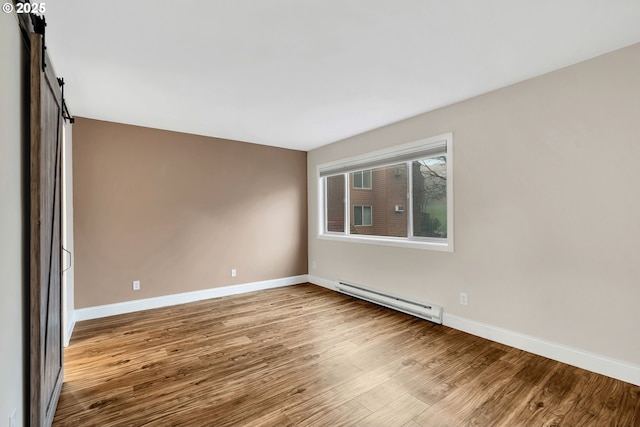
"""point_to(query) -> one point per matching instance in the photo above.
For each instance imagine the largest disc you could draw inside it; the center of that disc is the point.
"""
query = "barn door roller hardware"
(39, 24)
(65, 111)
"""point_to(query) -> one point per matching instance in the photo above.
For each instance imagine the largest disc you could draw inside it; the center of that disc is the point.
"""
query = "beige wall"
(179, 211)
(547, 209)
(13, 137)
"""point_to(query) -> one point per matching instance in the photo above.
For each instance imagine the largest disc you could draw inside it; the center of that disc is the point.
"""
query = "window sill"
(391, 241)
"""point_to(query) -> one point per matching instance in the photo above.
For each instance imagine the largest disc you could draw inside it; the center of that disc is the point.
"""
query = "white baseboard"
(610, 367)
(168, 300)
(325, 283)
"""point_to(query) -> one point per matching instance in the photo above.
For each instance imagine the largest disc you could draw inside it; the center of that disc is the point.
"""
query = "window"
(410, 205)
(390, 190)
(361, 179)
(362, 215)
(429, 197)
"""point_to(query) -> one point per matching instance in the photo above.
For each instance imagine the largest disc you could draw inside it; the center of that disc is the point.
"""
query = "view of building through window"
(384, 201)
(387, 189)
(334, 203)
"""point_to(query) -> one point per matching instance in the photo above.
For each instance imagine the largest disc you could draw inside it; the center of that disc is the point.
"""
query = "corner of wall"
(14, 276)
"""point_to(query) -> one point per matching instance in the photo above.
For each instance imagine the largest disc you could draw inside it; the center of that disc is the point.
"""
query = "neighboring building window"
(362, 179)
(411, 204)
(362, 215)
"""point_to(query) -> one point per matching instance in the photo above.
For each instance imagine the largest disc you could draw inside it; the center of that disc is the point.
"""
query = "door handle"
(69, 259)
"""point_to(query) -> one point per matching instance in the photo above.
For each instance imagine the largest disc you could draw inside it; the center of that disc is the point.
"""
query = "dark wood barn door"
(46, 368)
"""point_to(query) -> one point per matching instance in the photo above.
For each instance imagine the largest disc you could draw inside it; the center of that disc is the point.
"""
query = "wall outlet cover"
(464, 299)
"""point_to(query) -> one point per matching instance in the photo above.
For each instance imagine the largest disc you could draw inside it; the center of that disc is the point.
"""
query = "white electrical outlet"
(136, 285)
(313, 265)
(234, 272)
(464, 299)
(12, 418)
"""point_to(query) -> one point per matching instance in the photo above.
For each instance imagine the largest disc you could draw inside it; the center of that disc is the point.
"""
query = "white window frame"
(382, 158)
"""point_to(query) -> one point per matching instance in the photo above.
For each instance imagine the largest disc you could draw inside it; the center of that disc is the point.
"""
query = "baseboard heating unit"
(430, 312)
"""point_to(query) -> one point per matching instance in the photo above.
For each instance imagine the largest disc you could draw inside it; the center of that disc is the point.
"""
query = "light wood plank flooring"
(306, 356)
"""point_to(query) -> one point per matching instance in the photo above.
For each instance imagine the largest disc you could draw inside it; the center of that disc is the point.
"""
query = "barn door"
(46, 369)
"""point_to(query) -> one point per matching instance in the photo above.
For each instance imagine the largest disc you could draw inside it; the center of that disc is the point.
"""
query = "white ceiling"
(301, 74)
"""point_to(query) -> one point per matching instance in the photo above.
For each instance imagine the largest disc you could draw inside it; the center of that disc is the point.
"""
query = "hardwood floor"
(306, 356)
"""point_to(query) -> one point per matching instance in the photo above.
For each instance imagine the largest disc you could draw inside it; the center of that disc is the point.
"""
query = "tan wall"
(179, 211)
(547, 209)
(14, 136)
